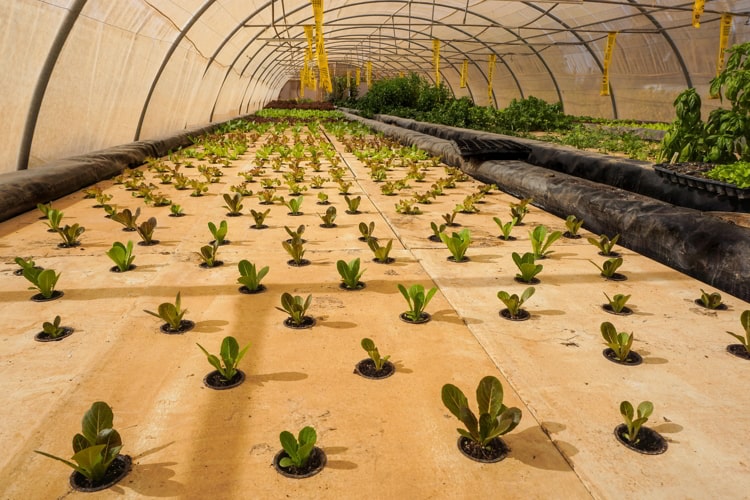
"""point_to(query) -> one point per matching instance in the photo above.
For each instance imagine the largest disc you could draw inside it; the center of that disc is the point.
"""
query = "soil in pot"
(423, 318)
(532, 281)
(495, 451)
(214, 380)
(389, 260)
(720, 307)
(567, 234)
(649, 441)
(738, 350)
(451, 258)
(626, 311)
(225, 242)
(301, 263)
(328, 226)
(217, 263)
(45, 337)
(366, 369)
(247, 291)
(632, 359)
(614, 277)
(307, 322)
(262, 226)
(185, 326)
(522, 315)
(115, 269)
(41, 298)
(314, 465)
(148, 244)
(360, 286)
(118, 469)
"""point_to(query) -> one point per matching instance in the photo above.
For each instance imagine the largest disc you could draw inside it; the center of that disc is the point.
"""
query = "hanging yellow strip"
(490, 76)
(357, 78)
(348, 78)
(726, 30)
(607, 60)
(464, 73)
(368, 73)
(697, 12)
(436, 59)
(309, 36)
(302, 82)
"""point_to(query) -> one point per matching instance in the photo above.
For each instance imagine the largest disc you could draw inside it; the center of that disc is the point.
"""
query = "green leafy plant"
(617, 303)
(366, 231)
(295, 307)
(417, 299)
(44, 208)
(388, 189)
(298, 450)
(609, 268)
(457, 243)
(541, 241)
(380, 251)
(407, 207)
(527, 266)
(329, 217)
(233, 204)
(352, 204)
(350, 273)
(43, 280)
(468, 206)
(513, 302)
(96, 447)
(619, 342)
(573, 225)
(710, 300)
(604, 244)
(170, 313)
(24, 264)
(450, 218)
(71, 234)
(122, 255)
(176, 210)
(198, 187)
(268, 196)
(294, 205)
(231, 355)
(318, 181)
(102, 199)
(146, 231)
(344, 186)
(250, 277)
(633, 425)
(505, 228)
(519, 210)
(437, 231)
(322, 199)
(295, 235)
(127, 218)
(54, 218)
(372, 351)
(259, 218)
(745, 321)
(495, 419)
(219, 233)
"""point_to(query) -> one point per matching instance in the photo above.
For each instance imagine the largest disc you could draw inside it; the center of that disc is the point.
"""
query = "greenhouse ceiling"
(82, 75)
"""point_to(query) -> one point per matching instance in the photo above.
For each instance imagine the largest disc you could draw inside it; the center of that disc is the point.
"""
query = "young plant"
(527, 266)
(329, 217)
(457, 243)
(380, 252)
(294, 205)
(541, 241)
(219, 233)
(208, 255)
(350, 273)
(176, 210)
(71, 234)
(171, 314)
(296, 250)
(407, 207)
(437, 231)
(745, 321)
(127, 218)
(344, 186)
(43, 280)
(506, 228)
(424, 198)
(233, 204)
(388, 189)
(268, 196)
(609, 267)
(645, 409)
(619, 342)
(298, 450)
(352, 204)
(519, 210)
(710, 300)
(573, 225)
(317, 181)
(617, 303)
(468, 206)
(110, 210)
(450, 218)
(369, 346)
(24, 264)
(495, 419)
(513, 302)
(366, 231)
(146, 231)
(102, 199)
(198, 187)
(96, 447)
(54, 218)
(44, 208)
(295, 307)
(122, 255)
(417, 299)
(53, 330)
(250, 277)
(295, 235)
(259, 218)
(604, 244)
(231, 355)
(322, 199)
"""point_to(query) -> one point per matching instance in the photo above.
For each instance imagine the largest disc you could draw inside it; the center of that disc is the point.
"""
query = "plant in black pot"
(417, 299)
(573, 225)
(618, 346)
(457, 243)
(632, 434)
(375, 366)
(122, 256)
(513, 304)
(25, 264)
(296, 308)
(480, 440)
(742, 349)
(96, 461)
(616, 304)
(527, 267)
(146, 232)
(250, 277)
(608, 270)
(299, 457)
(172, 314)
(541, 241)
(605, 245)
(505, 228)
(44, 281)
(350, 274)
(226, 374)
(52, 331)
(711, 301)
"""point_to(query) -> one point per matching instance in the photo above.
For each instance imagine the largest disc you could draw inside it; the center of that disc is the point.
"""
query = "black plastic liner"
(495, 149)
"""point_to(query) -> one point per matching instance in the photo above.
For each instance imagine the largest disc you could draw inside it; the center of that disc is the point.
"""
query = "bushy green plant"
(633, 425)
(329, 217)
(619, 342)
(294, 205)
(366, 230)
(372, 351)
(54, 219)
(380, 251)
(519, 210)
(250, 277)
(417, 299)
(609, 268)
(298, 450)
(352, 204)
(170, 313)
(541, 241)
(231, 355)
(573, 225)
(71, 234)
(53, 329)
(24, 264)
(745, 322)
(513, 302)
(527, 266)
(233, 203)
(604, 244)
(350, 273)
(43, 280)
(295, 307)
(208, 254)
(617, 302)
(457, 243)
(122, 255)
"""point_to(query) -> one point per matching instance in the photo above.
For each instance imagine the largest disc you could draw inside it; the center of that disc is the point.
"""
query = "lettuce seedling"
(230, 354)
(44, 208)
(208, 254)
(110, 210)
(295, 235)
(102, 199)
(366, 230)
(54, 218)
(322, 199)
(506, 228)
(294, 205)
(71, 234)
(295, 249)
(127, 218)
(388, 189)
(645, 409)
(604, 244)
(710, 301)
(53, 330)
(350, 273)
(745, 321)
(450, 218)
(352, 204)
(514, 302)
(407, 207)
(96, 447)
(468, 206)
(219, 233)
(437, 231)
(380, 252)
(259, 218)
(369, 346)
(233, 204)
(24, 264)
(620, 343)
(424, 198)
(295, 307)
(318, 181)
(181, 182)
(457, 243)
(519, 210)
(417, 300)
(249, 276)
(573, 225)
(344, 186)
(198, 187)
(617, 303)
(43, 280)
(122, 255)
(329, 217)
(146, 231)
(176, 210)
(495, 419)
(527, 266)
(609, 267)
(541, 241)
(298, 450)
(172, 314)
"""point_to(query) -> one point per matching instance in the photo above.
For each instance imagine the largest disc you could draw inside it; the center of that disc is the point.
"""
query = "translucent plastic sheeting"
(82, 75)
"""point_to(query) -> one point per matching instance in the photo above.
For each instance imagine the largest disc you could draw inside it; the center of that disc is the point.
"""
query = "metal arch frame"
(167, 57)
(40, 89)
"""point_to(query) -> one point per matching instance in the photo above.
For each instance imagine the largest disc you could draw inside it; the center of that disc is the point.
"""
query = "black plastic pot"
(649, 442)
(315, 464)
(118, 469)
(423, 318)
(185, 326)
(497, 451)
(215, 381)
(43, 337)
(366, 369)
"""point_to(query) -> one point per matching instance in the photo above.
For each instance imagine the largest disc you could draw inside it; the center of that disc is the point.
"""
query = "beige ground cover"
(383, 438)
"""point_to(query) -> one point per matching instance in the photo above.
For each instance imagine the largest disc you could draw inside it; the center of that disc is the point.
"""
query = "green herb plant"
(294, 205)
(527, 266)
(24, 264)
(457, 243)
(233, 204)
(350, 274)
(380, 251)
(617, 303)
(127, 218)
(710, 300)
(71, 234)
(372, 351)
(146, 231)
(122, 255)
(44, 208)
(437, 231)
(259, 218)
(366, 231)
(633, 425)
(322, 199)
(298, 450)
(208, 254)
(541, 241)
(513, 302)
(329, 217)
(250, 277)
(352, 204)
(219, 233)
(609, 268)
(43, 280)
(604, 244)
(519, 210)
(170, 313)
(619, 342)
(573, 225)
(295, 307)
(231, 355)
(53, 330)
(54, 218)
(505, 228)
(417, 300)
(745, 321)
(176, 210)
(450, 218)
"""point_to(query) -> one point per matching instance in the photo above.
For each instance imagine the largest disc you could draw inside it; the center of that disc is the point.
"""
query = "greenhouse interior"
(206, 207)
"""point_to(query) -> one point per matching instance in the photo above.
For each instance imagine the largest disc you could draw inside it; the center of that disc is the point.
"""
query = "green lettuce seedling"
(495, 419)
(437, 230)
(710, 300)
(350, 273)
(121, 255)
(54, 218)
(457, 243)
(233, 203)
(219, 233)
(620, 343)
(604, 244)
(527, 266)
(366, 230)
(259, 218)
(231, 355)
(645, 409)
(298, 450)
(43, 280)
(24, 264)
(369, 346)
(53, 330)
(329, 217)
(146, 231)
(519, 210)
(505, 228)
(541, 241)
(208, 254)
(450, 218)
(249, 276)
(96, 447)
(175, 209)
(513, 302)
(745, 321)
(44, 208)
(71, 234)
(573, 225)
(617, 303)
(380, 252)
(294, 205)
(127, 218)
(417, 300)
(610, 266)
(172, 314)
(295, 307)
